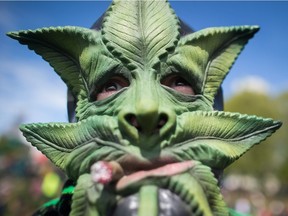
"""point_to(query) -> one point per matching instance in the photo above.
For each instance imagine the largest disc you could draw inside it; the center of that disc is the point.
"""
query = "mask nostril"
(132, 120)
(163, 118)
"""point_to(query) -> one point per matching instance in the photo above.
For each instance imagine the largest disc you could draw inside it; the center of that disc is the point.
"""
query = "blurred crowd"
(251, 196)
(27, 178)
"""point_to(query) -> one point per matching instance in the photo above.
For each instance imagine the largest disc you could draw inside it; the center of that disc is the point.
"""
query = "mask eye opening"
(109, 88)
(178, 83)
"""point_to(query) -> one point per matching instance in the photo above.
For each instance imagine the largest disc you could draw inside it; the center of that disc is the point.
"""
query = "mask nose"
(146, 118)
(147, 124)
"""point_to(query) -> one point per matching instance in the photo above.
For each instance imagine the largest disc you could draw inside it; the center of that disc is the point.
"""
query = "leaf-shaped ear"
(210, 53)
(58, 140)
(55, 141)
(141, 32)
(62, 48)
(220, 138)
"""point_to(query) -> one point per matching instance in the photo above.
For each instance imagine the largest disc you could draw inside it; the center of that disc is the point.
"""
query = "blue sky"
(30, 90)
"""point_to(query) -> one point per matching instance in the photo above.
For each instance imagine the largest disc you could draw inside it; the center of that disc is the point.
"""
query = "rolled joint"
(104, 172)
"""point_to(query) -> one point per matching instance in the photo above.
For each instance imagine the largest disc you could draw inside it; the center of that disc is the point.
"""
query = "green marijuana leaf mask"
(145, 102)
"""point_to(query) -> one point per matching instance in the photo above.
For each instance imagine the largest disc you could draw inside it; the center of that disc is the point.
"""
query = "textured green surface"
(141, 42)
(148, 200)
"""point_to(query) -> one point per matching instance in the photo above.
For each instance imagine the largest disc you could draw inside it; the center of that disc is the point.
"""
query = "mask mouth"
(130, 169)
(131, 164)
(163, 171)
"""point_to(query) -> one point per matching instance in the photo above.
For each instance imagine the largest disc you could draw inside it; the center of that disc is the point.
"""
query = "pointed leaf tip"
(61, 47)
(141, 32)
(209, 54)
(220, 138)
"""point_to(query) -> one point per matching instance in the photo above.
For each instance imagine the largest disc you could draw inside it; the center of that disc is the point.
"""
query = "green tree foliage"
(270, 156)
(282, 135)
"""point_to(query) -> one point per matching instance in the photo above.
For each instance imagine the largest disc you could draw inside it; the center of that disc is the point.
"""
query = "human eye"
(179, 84)
(111, 87)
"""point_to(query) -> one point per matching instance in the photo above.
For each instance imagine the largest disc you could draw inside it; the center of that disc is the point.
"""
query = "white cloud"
(32, 90)
(250, 83)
